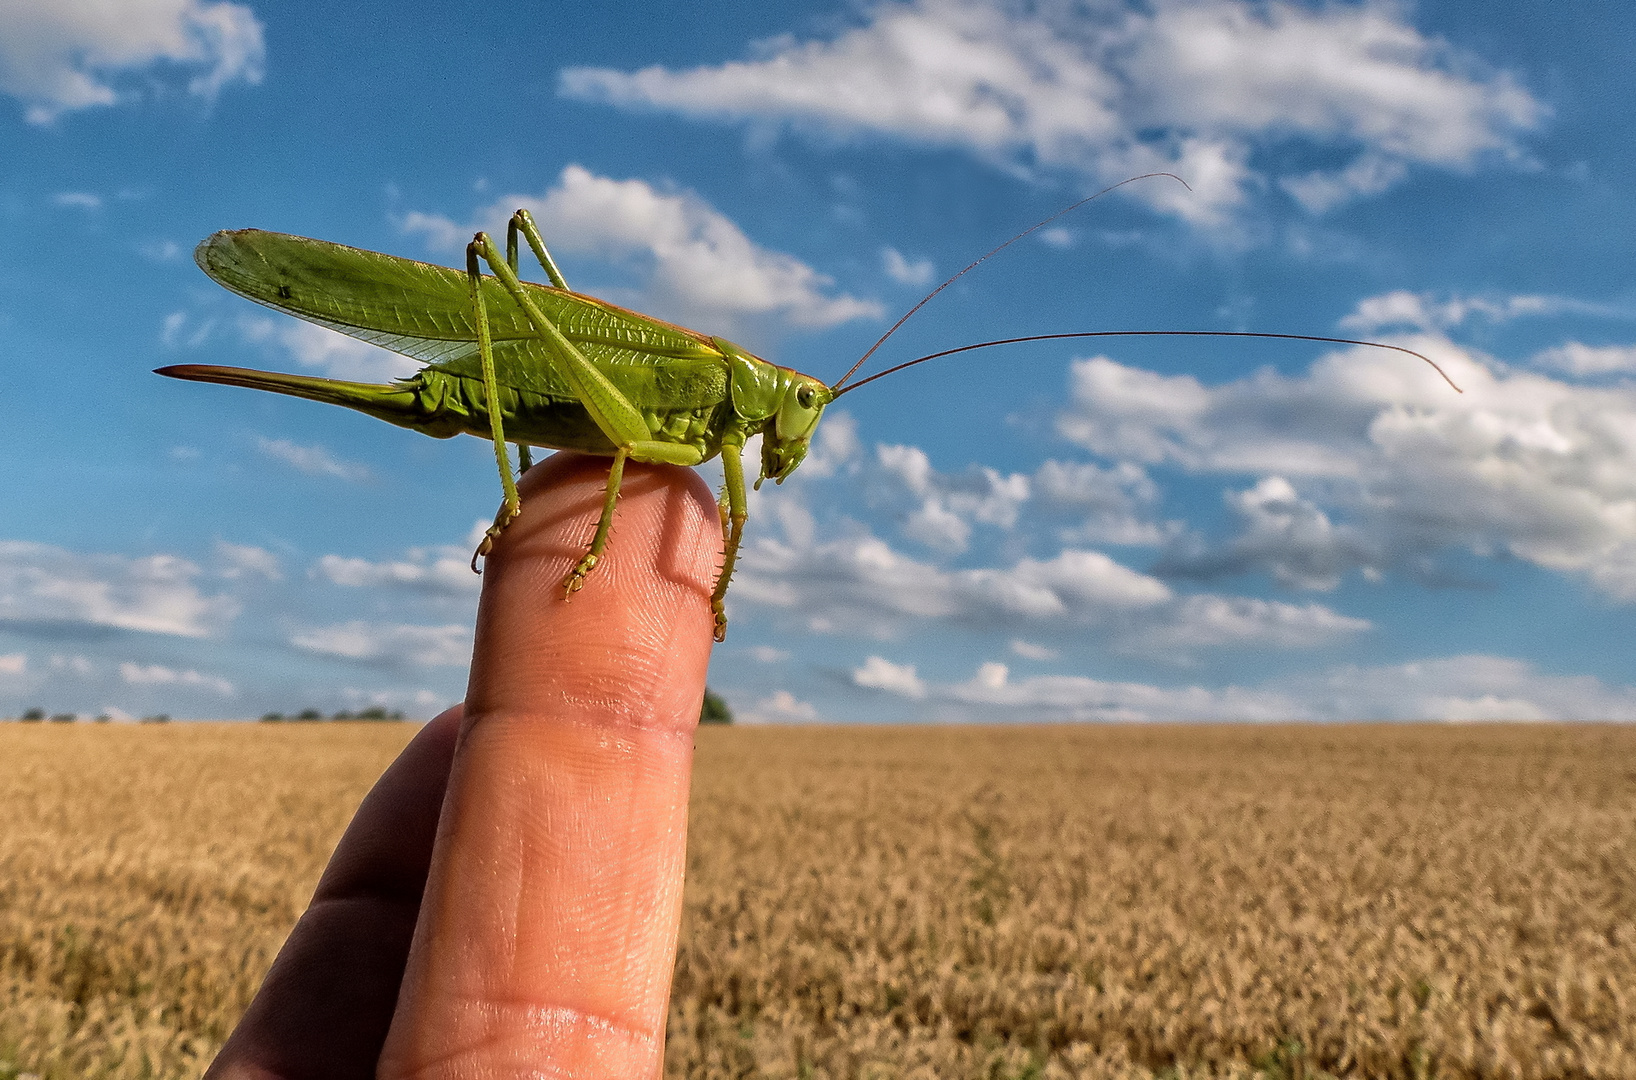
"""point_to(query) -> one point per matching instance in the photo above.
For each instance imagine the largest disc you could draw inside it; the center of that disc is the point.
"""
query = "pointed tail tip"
(195, 372)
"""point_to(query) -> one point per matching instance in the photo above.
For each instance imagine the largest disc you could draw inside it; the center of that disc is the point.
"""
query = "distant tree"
(342, 715)
(714, 710)
(103, 718)
(372, 713)
(272, 717)
(64, 718)
(157, 718)
(309, 714)
(33, 716)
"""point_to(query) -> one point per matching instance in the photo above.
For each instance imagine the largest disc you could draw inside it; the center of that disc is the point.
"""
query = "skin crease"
(536, 936)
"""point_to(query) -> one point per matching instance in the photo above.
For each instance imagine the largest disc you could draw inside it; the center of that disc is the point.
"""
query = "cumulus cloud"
(1368, 461)
(247, 560)
(391, 643)
(1428, 311)
(904, 271)
(878, 673)
(1202, 88)
(158, 675)
(1574, 358)
(1030, 651)
(156, 594)
(1207, 621)
(444, 570)
(13, 663)
(1462, 688)
(57, 56)
(694, 262)
(942, 507)
(313, 460)
(331, 354)
(860, 583)
(779, 707)
(1116, 504)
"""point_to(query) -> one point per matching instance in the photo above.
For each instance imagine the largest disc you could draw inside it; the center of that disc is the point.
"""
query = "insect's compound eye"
(804, 397)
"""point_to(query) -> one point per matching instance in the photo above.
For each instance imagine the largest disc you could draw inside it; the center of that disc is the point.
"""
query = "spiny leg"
(525, 458)
(513, 504)
(619, 421)
(599, 543)
(732, 463)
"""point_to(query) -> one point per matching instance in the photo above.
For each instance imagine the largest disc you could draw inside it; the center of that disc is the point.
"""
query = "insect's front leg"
(732, 464)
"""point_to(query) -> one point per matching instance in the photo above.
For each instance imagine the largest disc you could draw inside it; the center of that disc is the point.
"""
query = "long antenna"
(982, 258)
(1147, 333)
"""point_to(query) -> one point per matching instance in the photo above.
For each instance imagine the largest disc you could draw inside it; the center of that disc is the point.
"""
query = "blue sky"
(1106, 530)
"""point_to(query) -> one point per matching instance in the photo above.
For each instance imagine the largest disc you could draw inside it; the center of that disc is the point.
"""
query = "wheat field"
(1369, 901)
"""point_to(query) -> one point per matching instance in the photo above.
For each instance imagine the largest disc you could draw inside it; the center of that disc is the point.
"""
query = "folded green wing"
(424, 312)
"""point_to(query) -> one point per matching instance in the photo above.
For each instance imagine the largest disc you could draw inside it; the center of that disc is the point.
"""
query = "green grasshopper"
(545, 366)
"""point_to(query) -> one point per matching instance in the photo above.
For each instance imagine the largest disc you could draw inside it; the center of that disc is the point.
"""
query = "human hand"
(537, 934)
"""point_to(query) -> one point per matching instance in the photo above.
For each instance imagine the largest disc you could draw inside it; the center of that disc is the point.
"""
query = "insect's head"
(784, 441)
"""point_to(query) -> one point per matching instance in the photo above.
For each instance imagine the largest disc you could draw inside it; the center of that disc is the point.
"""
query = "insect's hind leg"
(513, 504)
(522, 221)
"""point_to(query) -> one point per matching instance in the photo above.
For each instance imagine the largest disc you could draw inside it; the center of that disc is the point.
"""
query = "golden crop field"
(930, 903)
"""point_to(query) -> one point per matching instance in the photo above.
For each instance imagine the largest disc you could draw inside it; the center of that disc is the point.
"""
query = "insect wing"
(424, 312)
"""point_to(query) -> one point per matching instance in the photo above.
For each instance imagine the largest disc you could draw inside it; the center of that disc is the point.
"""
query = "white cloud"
(78, 200)
(1461, 688)
(903, 271)
(426, 646)
(1057, 236)
(1207, 621)
(1289, 536)
(312, 460)
(335, 355)
(766, 654)
(445, 569)
(246, 560)
(780, 707)
(1030, 651)
(860, 584)
(157, 675)
(153, 594)
(879, 673)
(1429, 311)
(694, 262)
(943, 506)
(1194, 87)
(13, 663)
(1369, 461)
(1117, 502)
(992, 696)
(57, 57)
(1577, 359)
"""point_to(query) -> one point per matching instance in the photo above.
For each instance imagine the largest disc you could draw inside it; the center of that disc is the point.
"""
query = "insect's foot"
(505, 517)
(721, 619)
(575, 581)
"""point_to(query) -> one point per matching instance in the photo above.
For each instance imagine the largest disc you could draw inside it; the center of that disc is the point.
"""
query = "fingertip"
(630, 641)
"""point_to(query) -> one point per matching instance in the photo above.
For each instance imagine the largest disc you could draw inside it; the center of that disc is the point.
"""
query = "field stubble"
(916, 903)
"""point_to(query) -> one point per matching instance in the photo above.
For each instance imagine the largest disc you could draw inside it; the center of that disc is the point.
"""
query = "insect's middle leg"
(576, 577)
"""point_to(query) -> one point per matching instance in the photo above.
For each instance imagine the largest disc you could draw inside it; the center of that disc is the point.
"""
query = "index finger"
(547, 931)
